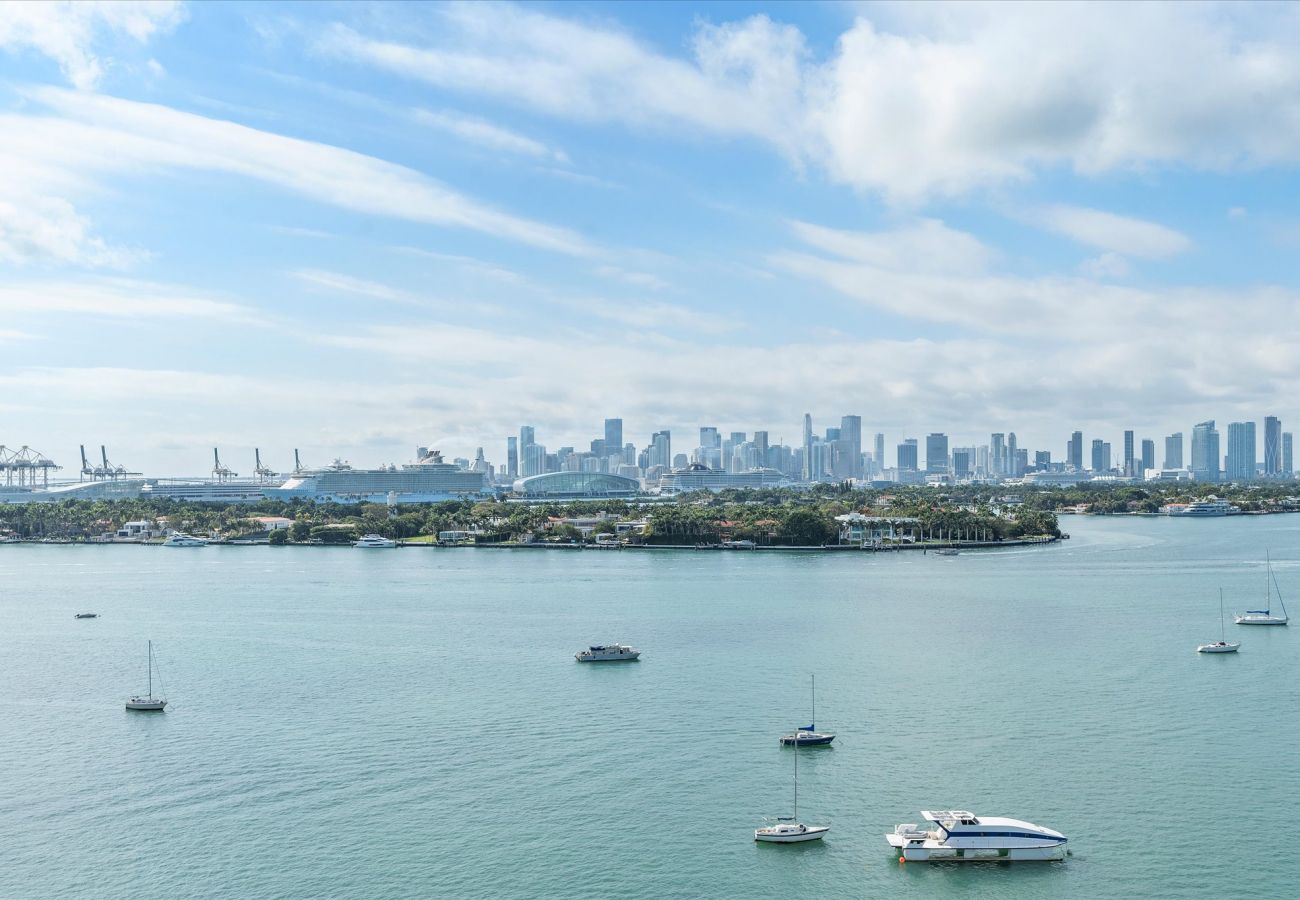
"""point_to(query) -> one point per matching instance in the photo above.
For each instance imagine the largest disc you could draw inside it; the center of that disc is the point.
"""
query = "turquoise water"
(412, 722)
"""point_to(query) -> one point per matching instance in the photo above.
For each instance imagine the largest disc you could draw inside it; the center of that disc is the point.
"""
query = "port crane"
(105, 470)
(22, 467)
(263, 473)
(220, 472)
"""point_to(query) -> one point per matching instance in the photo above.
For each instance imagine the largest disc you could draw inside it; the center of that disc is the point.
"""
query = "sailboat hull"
(1259, 620)
(777, 836)
(143, 705)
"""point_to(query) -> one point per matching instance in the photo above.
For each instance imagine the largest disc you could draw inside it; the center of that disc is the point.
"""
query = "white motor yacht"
(180, 539)
(375, 542)
(148, 702)
(607, 653)
(961, 835)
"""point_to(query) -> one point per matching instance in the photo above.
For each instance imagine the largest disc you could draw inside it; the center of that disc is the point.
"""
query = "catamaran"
(1265, 616)
(149, 703)
(1222, 645)
(960, 835)
(808, 735)
(788, 829)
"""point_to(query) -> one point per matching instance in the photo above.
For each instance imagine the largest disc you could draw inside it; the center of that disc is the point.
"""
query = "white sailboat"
(788, 829)
(149, 703)
(1222, 645)
(1265, 616)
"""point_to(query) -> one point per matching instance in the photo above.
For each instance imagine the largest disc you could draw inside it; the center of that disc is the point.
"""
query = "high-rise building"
(1241, 451)
(1106, 464)
(878, 456)
(1074, 451)
(512, 457)
(1148, 456)
(1042, 460)
(1098, 459)
(1272, 447)
(1011, 455)
(661, 449)
(1287, 471)
(907, 455)
(936, 453)
(525, 437)
(807, 448)
(851, 431)
(998, 453)
(1174, 451)
(961, 459)
(1129, 460)
(760, 443)
(613, 436)
(1205, 451)
(709, 438)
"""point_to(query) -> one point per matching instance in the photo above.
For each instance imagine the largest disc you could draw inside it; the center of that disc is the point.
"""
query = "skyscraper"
(1148, 456)
(961, 457)
(613, 436)
(661, 449)
(879, 454)
(1241, 451)
(1174, 451)
(998, 453)
(851, 431)
(709, 438)
(907, 455)
(1287, 471)
(1074, 452)
(1272, 447)
(1098, 459)
(1129, 467)
(936, 453)
(1205, 451)
(807, 447)
(512, 457)
(1012, 465)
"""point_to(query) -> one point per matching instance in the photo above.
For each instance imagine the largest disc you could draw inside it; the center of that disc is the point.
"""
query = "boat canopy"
(959, 814)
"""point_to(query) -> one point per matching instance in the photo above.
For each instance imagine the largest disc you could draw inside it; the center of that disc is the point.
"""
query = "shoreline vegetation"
(823, 517)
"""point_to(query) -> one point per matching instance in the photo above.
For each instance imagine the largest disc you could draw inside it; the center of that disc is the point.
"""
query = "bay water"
(412, 723)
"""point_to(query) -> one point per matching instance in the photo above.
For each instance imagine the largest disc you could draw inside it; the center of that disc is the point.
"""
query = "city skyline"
(354, 228)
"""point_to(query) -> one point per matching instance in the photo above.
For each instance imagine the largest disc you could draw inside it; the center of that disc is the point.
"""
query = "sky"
(358, 228)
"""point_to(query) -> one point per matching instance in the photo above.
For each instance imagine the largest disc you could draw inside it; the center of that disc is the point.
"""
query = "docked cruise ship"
(427, 480)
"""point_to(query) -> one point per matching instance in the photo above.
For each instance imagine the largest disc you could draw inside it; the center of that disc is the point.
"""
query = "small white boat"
(788, 829)
(607, 653)
(86, 616)
(808, 735)
(959, 835)
(180, 539)
(1222, 645)
(148, 702)
(947, 551)
(1266, 616)
(375, 542)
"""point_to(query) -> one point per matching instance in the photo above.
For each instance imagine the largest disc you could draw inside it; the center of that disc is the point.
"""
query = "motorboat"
(947, 551)
(788, 829)
(1266, 616)
(1211, 507)
(607, 653)
(148, 702)
(375, 542)
(960, 835)
(808, 735)
(86, 616)
(1222, 645)
(180, 539)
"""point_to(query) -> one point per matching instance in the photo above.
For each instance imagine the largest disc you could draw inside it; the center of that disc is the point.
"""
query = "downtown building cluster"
(838, 453)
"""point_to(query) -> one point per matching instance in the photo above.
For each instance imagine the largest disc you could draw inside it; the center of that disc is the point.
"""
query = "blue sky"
(356, 228)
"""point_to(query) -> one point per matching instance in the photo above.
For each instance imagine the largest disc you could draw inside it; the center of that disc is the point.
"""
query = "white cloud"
(1114, 233)
(636, 279)
(914, 101)
(68, 32)
(347, 284)
(485, 134)
(1107, 265)
(1237, 212)
(96, 134)
(35, 229)
(926, 245)
(118, 298)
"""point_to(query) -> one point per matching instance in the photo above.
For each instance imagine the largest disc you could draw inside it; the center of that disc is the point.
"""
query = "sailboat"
(1222, 645)
(149, 703)
(788, 829)
(1265, 616)
(809, 736)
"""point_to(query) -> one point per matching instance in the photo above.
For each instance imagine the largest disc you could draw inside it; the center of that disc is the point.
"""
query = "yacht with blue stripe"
(961, 835)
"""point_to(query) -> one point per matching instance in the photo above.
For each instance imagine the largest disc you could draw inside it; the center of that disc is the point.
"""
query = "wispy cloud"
(347, 284)
(636, 279)
(485, 134)
(119, 298)
(1114, 233)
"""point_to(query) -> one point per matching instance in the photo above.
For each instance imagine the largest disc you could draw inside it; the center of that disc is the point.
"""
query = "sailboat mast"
(1223, 634)
(814, 701)
(796, 784)
(151, 670)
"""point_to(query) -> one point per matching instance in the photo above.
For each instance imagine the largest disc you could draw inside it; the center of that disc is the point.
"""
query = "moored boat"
(375, 542)
(788, 829)
(608, 653)
(961, 835)
(148, 702)
(1266, 616)
(1222, 645)
(180, 539)
(808, 735)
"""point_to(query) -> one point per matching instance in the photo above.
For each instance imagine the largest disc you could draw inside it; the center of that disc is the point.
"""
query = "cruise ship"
(1207, 508)
(427, 480)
